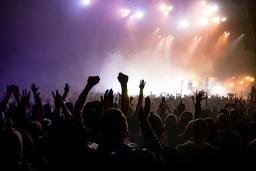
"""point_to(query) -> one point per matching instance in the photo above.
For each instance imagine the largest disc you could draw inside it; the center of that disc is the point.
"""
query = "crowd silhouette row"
(118, 130)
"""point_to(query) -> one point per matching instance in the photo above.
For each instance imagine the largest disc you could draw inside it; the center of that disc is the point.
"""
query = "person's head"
(47, 110)
(91, 114)
(224, 111)
(170, 122)
(222, 121)
(199, 129)
(156, 123)
(113, 127)
(36, 129)
(211, 127)
(185, 118)
(10, 146)
(234, 115)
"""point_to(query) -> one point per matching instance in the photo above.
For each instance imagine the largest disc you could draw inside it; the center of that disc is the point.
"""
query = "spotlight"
(247, 78)
(226, 34)
(166, 9)
(85, 2)
(204, 22)
(223, 19)
(252, 79)
(203, 3)
(139, 15)
(125, 12)
(214, 8)
(183, 24)
(216, 20)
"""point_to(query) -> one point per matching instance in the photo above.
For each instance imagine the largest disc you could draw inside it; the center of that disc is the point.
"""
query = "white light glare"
(139, 15)
(204, 22)
(85, 2)
(223, 19)
(125, 12)
(184, 23)
(166, 9)
(214, 8)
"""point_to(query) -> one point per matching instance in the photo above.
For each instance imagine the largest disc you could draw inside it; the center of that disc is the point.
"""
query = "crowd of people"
(118, 130)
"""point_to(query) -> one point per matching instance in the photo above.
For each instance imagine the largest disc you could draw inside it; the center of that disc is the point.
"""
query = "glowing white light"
(214, 8)
(223, 19)
(166, 9)
(139, 15)
(184, 23)
(204, 22)
(85, 2)
(125, 12)
(216, 20)
(203, 3)
(218, 89)
(226, 34)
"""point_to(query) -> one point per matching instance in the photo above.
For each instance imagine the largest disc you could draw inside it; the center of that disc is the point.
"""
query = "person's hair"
(91, 114)
(199, 129)
(11, 146)
(113, 127)
(156, 123)
(170, 121)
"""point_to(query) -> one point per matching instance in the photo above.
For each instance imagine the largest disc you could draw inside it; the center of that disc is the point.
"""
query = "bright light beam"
(125, 12)
(85, 2)
(139, 15)
(184, 23)
(166, 9)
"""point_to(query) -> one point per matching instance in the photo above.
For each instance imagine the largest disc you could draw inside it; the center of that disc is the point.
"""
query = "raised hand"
(9, 90)
(66, 88)
(200, 96)
(92, 81)
(142, 84)
(107, 101)
(122, 78)
(57, 99)
(144, 112)
(34, 89)
(24, 98)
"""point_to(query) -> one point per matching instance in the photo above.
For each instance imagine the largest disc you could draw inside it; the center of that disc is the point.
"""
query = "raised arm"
(107, 100)
(66, 90)
(150, 138)
(123, 79)
(199, 97)
(140, 99)
(36, 94)
(91, 82)
(7, 96)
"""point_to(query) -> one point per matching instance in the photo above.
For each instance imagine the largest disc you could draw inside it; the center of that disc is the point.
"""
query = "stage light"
(125, 12)
(203, 3)
(184, 24)
(139, 15)
(214, 8)
(85, 2)
(218, 89)
(166, 9)
(241, 82)
(216, 20)
(204, 22)
(247, 77)
(226, 34)
(252, 79)
(223, 19)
